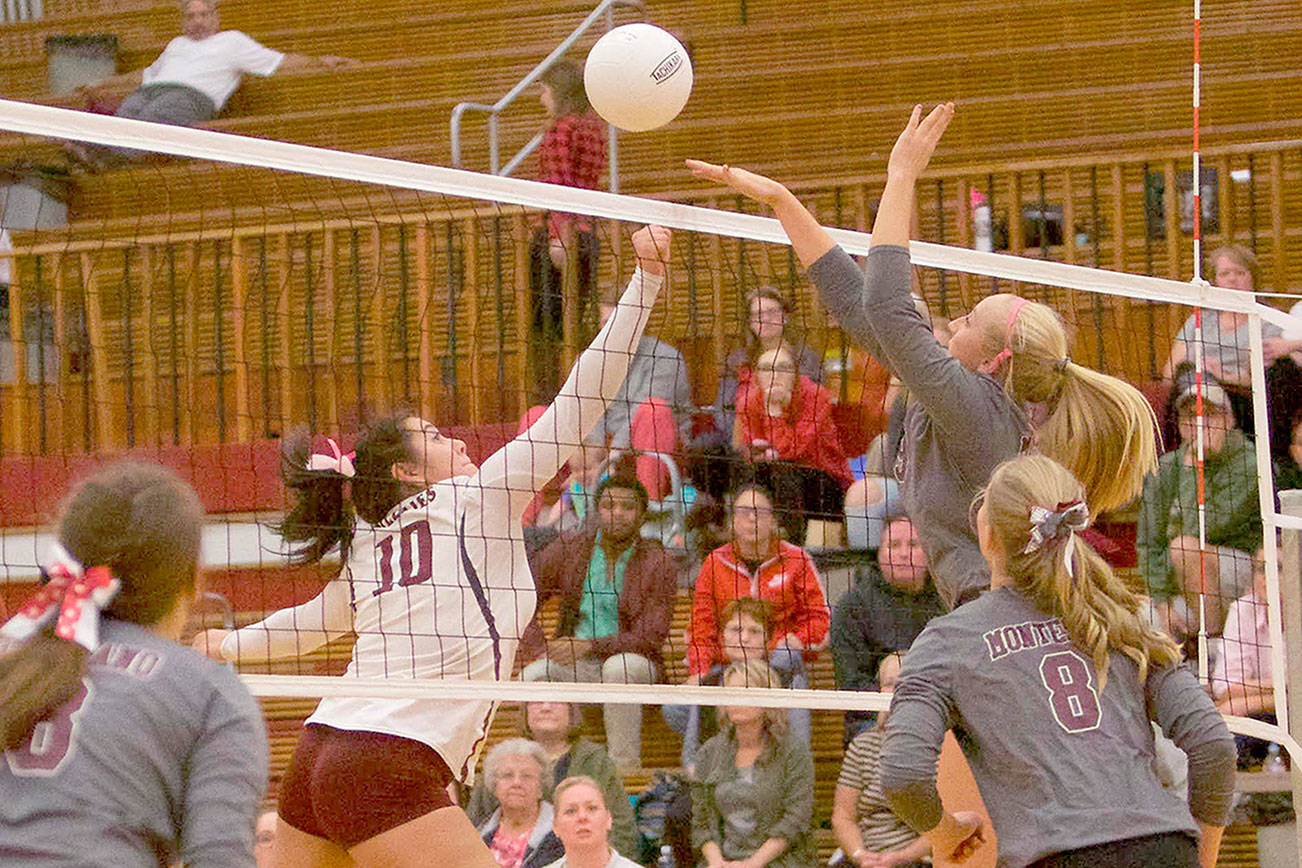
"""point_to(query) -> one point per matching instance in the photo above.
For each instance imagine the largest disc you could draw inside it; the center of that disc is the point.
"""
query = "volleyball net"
(212, 293)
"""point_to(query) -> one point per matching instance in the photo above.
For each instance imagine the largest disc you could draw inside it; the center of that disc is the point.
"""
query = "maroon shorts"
(348, 787)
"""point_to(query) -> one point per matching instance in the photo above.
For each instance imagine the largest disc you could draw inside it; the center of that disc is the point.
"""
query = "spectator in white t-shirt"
(192, 79)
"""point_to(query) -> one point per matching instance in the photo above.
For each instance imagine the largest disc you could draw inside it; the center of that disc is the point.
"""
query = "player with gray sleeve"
(968, 401)
(122, 747)
(1050, 682)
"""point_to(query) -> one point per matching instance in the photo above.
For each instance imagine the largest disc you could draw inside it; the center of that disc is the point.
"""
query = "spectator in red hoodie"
(758, 563)
(785, 423)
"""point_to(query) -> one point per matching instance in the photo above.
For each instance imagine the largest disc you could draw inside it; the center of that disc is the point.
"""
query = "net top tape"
(62, 123)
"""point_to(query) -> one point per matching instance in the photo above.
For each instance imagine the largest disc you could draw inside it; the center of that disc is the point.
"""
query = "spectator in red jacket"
(758, 563)
(572, 153)
(617, 599)
(785, 423)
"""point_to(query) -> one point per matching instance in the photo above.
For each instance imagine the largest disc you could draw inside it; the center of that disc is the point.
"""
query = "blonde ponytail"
(1101, 615)
(1100, 428)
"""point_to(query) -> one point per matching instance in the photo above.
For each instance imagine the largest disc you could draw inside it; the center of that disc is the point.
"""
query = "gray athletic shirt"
(1059, 765)
(162, 759)
(959, 424)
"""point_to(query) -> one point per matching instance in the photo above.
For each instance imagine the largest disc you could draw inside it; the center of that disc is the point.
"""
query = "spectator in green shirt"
(616, 594)
(1167, 537)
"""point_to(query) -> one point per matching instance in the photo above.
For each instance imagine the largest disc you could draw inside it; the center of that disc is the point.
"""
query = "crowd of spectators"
(760, 464)
(769, 457)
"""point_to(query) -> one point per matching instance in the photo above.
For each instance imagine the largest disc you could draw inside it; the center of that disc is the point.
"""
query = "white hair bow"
(339, 462)
(1051, 524)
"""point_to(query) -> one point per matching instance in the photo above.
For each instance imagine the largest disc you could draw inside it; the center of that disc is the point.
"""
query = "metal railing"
(605, 9)
(21, 10)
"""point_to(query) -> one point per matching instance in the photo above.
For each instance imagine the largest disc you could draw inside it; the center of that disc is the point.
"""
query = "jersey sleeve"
(225, 780)
(509, 478)
(921, 712)
(295, 631)
(1185, 713)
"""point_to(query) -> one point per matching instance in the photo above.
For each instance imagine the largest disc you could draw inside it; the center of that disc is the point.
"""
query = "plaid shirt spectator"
(573, 153)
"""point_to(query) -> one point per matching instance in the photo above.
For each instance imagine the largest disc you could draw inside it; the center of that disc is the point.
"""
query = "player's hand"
(971, 835)
(651, 244)
(914, 147)
(209, 642)
(957, 836)
(749, 184)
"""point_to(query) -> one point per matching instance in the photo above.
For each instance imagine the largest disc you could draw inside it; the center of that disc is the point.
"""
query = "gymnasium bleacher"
(811, 94)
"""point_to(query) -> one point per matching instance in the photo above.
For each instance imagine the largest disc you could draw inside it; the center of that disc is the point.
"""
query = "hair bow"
(339, 462)
(1058, 523)
(73, 598)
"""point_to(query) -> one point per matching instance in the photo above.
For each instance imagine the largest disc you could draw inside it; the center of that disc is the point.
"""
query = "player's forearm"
(291, 632)
(895, 213)
(808, 239)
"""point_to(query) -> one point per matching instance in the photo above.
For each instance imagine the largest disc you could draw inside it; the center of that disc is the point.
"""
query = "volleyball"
(638, 77)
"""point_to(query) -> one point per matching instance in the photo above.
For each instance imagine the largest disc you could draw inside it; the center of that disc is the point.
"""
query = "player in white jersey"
(122, 747)
(435, 584)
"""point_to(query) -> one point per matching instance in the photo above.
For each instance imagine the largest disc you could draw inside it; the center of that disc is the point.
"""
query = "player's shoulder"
(992, 610)
(177, 669)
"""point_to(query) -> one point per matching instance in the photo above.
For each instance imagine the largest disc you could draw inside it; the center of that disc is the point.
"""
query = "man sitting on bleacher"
(192, 79)
(883, 613)
(617, 598)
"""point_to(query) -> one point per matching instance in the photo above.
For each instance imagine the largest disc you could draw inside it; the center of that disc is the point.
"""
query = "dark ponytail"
(35, 679)
(326, 503)
(144, 524)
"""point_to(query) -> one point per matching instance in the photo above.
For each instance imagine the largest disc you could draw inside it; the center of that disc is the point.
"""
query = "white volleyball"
(638, 77)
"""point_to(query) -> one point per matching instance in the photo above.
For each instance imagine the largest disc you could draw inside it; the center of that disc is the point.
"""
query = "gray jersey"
(959, 424)
(162, 757)
(1059, 763)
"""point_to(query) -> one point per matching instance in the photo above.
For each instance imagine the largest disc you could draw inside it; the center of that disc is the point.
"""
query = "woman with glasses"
(785, 426)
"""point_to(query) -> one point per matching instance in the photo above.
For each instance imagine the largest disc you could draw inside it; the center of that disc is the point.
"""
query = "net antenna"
(208, 145)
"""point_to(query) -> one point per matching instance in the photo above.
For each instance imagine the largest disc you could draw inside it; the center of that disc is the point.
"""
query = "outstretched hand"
(749, 184)
(651, 244)
(913, 149)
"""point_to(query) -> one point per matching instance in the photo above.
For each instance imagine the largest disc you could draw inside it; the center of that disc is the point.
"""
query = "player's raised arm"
(524, 464)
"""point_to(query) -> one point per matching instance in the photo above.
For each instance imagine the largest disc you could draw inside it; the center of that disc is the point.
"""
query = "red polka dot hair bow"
(73, 599)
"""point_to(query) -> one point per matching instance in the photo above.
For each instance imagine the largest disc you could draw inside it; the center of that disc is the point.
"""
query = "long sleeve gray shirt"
(1060, 764)
(161, 759)
(959, 424)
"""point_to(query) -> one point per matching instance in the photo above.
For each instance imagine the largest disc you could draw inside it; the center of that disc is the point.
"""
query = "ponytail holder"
(73, 598)
(1062, 522)
(1007, 351)
(1060, 366)
(338, 462)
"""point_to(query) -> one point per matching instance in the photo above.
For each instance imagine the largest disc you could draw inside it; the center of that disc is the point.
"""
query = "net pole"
(1199, 470)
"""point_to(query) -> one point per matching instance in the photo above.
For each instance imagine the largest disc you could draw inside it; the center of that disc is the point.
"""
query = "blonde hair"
(758, 673)
(1101, 615)
(1241, 256)
(1100, 428)
(578, 781)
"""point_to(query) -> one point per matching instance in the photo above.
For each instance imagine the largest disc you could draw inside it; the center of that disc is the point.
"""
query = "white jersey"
(212, 66)
(441, 587)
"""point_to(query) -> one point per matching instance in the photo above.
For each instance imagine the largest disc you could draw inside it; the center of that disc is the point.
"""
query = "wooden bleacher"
(792, 90)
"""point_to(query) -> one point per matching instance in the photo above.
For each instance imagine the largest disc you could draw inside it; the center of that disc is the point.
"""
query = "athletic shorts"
(348, 787)
(1166, 850)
